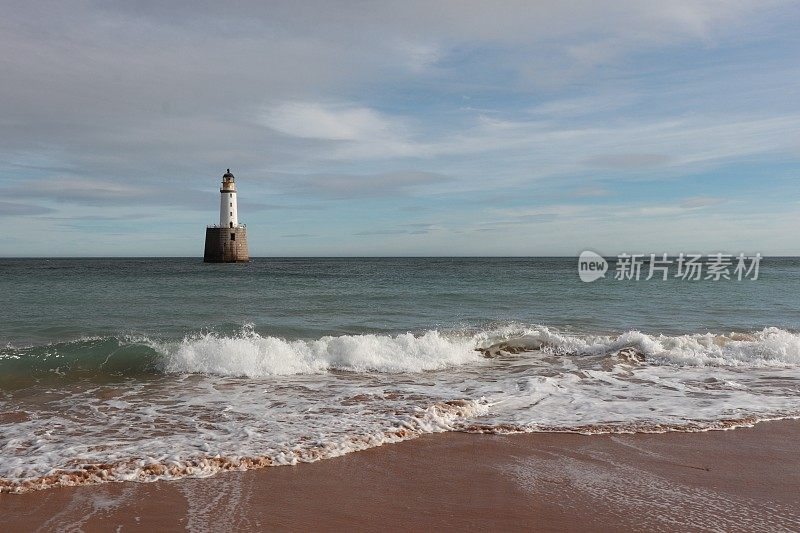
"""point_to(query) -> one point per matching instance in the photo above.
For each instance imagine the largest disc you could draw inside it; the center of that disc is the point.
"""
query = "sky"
(408, 128)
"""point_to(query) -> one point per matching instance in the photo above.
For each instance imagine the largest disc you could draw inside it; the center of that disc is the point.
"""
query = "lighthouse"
(226, 242)
(228, 210)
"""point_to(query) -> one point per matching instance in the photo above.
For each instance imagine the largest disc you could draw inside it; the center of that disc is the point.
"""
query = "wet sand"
(744, 479)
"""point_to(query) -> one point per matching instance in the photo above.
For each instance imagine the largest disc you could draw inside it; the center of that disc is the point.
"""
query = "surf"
(135, 407)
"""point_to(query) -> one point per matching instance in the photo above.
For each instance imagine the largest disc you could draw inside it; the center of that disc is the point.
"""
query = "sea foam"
(212, 402)
(252, 355)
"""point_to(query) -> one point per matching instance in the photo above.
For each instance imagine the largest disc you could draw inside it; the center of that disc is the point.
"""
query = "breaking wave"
(252, 355)
(768, 347)
(134, 408)
(249, 354)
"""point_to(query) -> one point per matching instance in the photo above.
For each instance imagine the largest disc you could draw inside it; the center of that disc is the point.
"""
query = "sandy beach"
(743, 479)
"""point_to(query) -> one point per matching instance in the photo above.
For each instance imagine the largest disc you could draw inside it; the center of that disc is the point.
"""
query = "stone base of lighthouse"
(226, 245)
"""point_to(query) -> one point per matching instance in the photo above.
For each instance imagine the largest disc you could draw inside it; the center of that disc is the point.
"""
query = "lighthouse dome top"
(227, 175)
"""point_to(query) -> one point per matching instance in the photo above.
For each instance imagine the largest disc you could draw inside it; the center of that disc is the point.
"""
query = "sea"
(151, 369)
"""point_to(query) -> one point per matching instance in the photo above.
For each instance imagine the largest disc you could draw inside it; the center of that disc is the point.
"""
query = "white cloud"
(84, 189)
(351, 133)
(118, 96)
(591, 192)
(586, 105)
(419, 57)
(627, 161)
(348, 186)
(701, 201)
(338, 122)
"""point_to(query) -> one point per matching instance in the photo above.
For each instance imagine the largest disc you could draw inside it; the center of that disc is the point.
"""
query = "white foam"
(251, 400)
(254, 356)
(768, 347)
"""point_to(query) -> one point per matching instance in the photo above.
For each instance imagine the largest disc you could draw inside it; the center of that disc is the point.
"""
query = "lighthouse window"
(231, 213)
(231, 195)
(233, 236)
(231, 204)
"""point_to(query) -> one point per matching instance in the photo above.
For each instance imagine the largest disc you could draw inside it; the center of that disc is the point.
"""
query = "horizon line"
(200, 257)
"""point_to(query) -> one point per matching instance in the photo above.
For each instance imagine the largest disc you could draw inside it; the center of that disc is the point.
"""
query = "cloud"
(381, 232)
(82, 191)
(554, 147)
(627, 161)
(133, 87)
(346, 186)
(13, 209)
(133, 104)
(105, 193)
(581, 106)
(591, 192)
(521, 220)
(601, 214)
(534, 215)
(170, 85)
(412, 228)
(419, 56)
(692, 206)
(655, 211)
(313, 120)
(247, 206)
(351, 131)
(99, 218)
(701, 201)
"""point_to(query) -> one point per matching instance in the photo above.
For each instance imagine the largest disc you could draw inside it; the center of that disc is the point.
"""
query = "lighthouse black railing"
(218, 226)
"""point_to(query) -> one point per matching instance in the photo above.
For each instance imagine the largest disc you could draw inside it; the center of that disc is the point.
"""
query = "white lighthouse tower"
(227, 242)
(228, 210)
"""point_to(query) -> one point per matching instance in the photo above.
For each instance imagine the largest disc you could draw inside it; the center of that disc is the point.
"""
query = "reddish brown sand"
(744, 479)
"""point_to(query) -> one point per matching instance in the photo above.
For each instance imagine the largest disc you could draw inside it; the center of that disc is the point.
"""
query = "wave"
(437, 418)
(251, 355)
(765, 348)
(441, 417)
(88, 357)
(305, 400)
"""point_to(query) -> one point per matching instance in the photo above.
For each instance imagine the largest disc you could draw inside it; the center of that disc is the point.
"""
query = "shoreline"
(745, 478)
